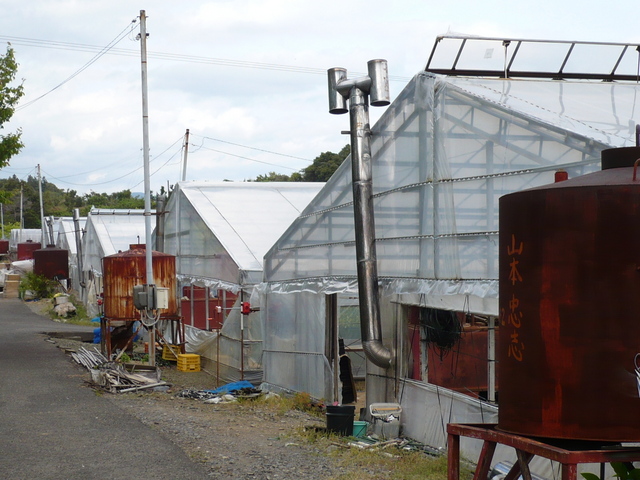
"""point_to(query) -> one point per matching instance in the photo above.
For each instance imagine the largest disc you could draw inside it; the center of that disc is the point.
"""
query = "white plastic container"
(386, 419)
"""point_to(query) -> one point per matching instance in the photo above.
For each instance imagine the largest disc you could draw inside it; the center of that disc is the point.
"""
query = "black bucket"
(340, 419)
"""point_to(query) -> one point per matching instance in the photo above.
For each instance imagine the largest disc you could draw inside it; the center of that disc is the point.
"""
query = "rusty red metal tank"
(51, 262)
(4, 246)
(122, 271)
(569, 306)
(25, 249)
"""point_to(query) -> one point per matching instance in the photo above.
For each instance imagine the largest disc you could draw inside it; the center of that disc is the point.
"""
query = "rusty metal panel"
(122, 271)
(4, 247)
(569, 307)
(51, 262)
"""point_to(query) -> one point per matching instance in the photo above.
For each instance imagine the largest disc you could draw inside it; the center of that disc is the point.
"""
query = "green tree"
(10, 143)
(273, 177)
(323, 166)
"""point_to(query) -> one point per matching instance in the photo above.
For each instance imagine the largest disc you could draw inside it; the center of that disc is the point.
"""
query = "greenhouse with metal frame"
(443, 153)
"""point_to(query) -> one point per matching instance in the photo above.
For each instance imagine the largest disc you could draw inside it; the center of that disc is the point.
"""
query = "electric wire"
(101, 52)
(251, 148)
(179, 57)
(60, 179)
(240, 156)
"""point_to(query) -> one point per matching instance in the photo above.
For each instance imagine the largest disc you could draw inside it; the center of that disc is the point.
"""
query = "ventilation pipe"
(161, 200)
(49, 222)
(375, 87)
(78, 234)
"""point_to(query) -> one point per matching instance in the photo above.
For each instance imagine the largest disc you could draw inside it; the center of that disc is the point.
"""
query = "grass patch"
(379, 462)
(282, 404)
(394, 464)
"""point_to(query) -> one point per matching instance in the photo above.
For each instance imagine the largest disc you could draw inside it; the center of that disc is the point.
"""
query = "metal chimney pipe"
(367, 269)
(160, 203)
(49, 222)
(78, 235)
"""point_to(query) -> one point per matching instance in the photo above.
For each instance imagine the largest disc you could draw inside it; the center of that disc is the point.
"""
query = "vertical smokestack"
(375, 85)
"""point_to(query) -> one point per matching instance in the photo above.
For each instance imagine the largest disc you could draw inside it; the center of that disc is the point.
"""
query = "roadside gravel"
(252, 439)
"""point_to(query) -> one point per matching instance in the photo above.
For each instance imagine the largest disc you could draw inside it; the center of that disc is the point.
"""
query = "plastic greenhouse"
(443, 152)
(66, 239)
(107, 231)
(219, 233)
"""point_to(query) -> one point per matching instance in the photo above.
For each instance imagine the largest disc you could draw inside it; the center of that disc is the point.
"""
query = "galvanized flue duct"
(375, 87)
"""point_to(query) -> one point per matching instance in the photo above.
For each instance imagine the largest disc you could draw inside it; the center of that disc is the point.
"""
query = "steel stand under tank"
(570, 306)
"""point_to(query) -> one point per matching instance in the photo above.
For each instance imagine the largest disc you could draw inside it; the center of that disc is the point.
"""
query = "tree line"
(58, 202)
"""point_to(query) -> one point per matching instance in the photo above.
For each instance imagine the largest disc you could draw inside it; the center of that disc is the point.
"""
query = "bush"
(40, 285)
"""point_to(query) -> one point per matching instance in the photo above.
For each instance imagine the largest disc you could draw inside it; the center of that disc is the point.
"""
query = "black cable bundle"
(442, 329)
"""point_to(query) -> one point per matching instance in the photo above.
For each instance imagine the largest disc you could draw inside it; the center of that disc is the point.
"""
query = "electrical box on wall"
(140, 297)
(162, 298)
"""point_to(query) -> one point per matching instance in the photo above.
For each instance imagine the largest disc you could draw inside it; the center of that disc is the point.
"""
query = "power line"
(177, 57)
(244, 158)
(251, 148)
(101, 52)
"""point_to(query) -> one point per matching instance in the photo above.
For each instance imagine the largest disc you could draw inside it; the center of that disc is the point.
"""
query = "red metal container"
(51, 262)
(122, 271)
(569, 306)
(4, 247)
(199, 319)
(26, 249)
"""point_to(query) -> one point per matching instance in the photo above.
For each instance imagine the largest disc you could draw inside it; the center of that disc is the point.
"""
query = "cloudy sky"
(246, 77)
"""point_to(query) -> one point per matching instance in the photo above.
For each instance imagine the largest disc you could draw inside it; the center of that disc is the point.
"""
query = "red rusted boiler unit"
(569, 339)
(122, 271)
(25, 249)
(51, 262)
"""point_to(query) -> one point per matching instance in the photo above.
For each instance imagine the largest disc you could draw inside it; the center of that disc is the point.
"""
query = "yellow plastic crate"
(167, 354)
(188, 362)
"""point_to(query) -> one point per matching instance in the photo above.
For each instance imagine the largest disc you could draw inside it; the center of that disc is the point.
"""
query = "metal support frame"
(106, 324)
(526, 448)
(608, 72)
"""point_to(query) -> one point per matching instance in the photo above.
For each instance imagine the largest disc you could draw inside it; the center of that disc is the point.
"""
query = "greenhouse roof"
(444, 152)
(230, 221)
(110, 231)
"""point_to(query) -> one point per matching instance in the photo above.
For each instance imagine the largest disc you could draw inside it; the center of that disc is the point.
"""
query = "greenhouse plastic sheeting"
(17, 236)
(443, 153)
(226, 347)
(220, 232)
(106, 232)
(66, 239)
(294, 331)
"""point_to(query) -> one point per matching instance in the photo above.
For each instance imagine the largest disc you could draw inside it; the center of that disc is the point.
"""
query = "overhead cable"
(101, 52)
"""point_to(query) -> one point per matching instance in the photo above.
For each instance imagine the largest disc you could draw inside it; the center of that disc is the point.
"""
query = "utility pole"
(42, 225)
(21, 213)
(147, 187)
(186, 151)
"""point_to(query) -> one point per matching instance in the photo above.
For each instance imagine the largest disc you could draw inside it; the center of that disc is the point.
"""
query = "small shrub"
(40, 285)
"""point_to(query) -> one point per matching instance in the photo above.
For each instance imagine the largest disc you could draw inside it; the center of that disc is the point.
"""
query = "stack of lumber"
(11, 284)
(113, 376)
